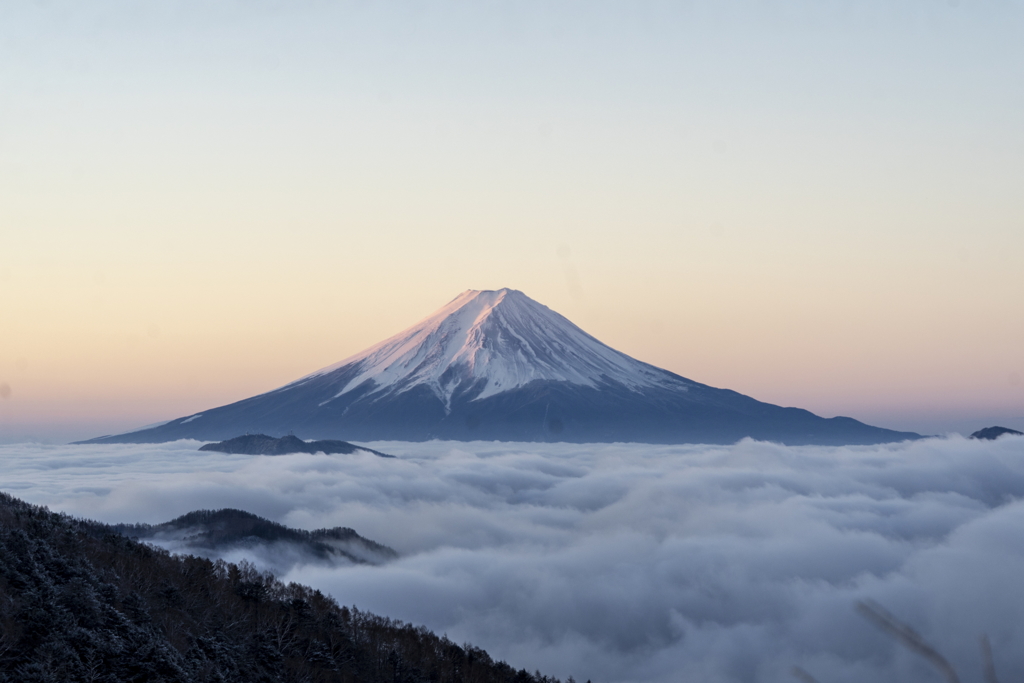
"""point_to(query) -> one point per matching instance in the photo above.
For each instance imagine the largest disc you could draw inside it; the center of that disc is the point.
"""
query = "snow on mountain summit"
(487, 342)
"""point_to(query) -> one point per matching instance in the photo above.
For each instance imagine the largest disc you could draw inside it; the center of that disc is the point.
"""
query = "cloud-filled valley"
(625, 562)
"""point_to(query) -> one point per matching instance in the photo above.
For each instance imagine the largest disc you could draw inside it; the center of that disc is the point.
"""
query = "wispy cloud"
(627, 562)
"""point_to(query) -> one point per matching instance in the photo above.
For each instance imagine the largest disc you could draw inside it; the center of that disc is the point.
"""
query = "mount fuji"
(497, 365)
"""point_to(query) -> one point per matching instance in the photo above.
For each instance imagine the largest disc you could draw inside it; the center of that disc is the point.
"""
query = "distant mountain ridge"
(261, 444)
(992, 433)
(497, 365)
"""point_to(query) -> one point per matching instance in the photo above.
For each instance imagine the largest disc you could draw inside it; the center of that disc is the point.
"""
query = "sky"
(816, 204)
(625, 562)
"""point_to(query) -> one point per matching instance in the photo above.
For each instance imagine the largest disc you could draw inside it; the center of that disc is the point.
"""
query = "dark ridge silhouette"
(992, 433)
(222, 529)
(261, 444)
(79, 602)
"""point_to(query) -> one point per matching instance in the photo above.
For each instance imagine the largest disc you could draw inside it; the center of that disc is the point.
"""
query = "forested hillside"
(79, 602)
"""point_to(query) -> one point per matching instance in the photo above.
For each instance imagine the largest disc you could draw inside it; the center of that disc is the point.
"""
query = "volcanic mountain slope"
(497, 365)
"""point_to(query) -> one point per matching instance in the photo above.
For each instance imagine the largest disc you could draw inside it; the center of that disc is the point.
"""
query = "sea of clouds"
(626, 562)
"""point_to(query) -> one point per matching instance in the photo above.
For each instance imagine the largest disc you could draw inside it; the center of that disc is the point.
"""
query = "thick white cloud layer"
(627, 562)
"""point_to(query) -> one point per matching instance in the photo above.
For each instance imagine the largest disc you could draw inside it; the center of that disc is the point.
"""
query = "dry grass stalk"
(803, 675)
(986, 657)
(910, 638)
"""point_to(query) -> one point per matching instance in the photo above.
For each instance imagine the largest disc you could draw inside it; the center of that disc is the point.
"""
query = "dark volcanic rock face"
(261, 444)
(991, 433)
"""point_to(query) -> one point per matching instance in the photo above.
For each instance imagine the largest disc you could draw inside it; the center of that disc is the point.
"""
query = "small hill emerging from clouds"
(261, 444)
(218, 532)
(992, 433)
(499, 366)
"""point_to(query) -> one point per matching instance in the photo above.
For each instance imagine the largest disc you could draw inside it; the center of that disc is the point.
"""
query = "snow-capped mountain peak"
(497, 365)
(487, 342)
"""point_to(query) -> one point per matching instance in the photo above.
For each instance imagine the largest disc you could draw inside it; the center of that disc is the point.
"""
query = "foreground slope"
(497, 365)
(81, 603)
